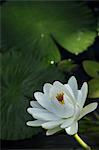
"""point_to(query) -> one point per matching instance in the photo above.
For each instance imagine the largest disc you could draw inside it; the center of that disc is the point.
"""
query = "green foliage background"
(30, 31)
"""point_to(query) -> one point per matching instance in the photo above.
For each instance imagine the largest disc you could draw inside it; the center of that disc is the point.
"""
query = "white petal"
(67, 122)
(35, 104)
(35, 123)
(42, 114)
(79, 98)
(73, 129)
(84, 91)
(77, 112)
(57, 83)
(52, 131)
(59, 88)
(68, 105)
(35, 110)
(43, 100)
(47, 87)
(56, 88)
(87, 109)
(69, 92)
(52, 124)
(62, 110)
(73, 84)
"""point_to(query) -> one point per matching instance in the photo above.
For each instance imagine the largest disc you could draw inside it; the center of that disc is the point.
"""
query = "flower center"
(60, 97)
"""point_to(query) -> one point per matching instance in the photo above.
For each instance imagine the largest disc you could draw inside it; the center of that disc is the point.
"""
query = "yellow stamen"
(60, 97)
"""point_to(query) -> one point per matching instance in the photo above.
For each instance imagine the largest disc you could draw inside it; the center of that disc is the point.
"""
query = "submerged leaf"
(22, 74)
(67, 66)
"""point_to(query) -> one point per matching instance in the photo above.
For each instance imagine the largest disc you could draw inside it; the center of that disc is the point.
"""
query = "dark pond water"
(58, 141)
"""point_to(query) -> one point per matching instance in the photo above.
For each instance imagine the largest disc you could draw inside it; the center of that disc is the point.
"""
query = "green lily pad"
(91, 68)
(67, 65)
(22, 74)
(71, 23)
(94, 88)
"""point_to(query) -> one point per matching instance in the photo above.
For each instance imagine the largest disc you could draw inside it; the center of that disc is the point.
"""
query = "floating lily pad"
(71, 23)
(91, 68)
(94, 88)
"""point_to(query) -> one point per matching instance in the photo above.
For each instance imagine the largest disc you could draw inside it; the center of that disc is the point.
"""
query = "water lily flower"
(60, 106)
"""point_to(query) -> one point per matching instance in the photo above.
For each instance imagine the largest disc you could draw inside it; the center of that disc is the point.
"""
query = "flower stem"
(81, 142)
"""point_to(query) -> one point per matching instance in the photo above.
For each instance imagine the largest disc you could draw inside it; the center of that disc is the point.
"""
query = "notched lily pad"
(71, 23)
